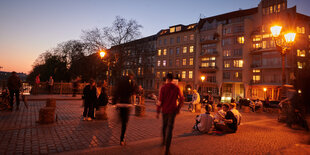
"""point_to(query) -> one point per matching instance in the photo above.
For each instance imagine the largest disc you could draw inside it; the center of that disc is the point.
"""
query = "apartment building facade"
(176, 54)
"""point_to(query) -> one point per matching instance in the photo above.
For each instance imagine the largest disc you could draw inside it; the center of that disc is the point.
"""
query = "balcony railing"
(212, 53)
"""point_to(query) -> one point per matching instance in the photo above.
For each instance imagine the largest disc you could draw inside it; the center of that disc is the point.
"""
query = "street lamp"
(283, 43)
(202, 78)
(102, 54)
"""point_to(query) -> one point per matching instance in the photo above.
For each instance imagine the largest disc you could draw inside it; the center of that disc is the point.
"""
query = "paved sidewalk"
(43, 97)
(259, 133)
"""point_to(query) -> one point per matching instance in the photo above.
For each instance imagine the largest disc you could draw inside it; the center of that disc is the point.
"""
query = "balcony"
(208, 41)
(260, 50)
(256, 65)
(209, 69)
(208, 54)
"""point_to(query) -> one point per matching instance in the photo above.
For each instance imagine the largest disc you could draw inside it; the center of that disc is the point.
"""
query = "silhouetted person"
(122, 97)
(14, 85)
(50, 85)
(90, 99)
(169, 94)
(36, 84)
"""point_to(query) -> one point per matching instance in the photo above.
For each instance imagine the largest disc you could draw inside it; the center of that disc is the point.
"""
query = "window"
(165, 52)
(226, 41)
(139, 71)
(227, 53)
(153, 70)
(159, 52)
(240, 40)
(164, 74)
(158, 63)
(301, 53)
(256, 71)
(226, 75)
(257, 45)
(170, 51)
(178, 39)
(300, 65)
(164, 63)
(159, 42)
(239, 29)
(140, 60)
(190, 74)
(238, 52)
(191, 37)
(165, 41)
(177, 62)
(227, 64)
(212, 58)
(184, 49)
(185, 38)
(256, 78)
(171, 40)
(184, 62)
(170, 62)
(158, 75)
(204, 64)
(264, 44)
(191, 61)
(178, 50)
(178, 28)
(172, 29)
(301, 30)
(191, 49)
(257, 38)
(238, 63)
(183, 74)
(238, 75)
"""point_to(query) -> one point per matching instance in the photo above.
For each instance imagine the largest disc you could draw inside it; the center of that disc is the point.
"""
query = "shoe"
(89, 119)
(84, 118)
(123, 143)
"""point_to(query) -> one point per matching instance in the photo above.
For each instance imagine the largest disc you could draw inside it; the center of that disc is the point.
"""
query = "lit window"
(257, 38)
(256, 77)
(158, 63)
(185, 38)
(191, 61)
(191, 37)
(139, 71)
(238, 63)
(183, 74)
(164, 62)
(190, 74)
(184, 62)
(256, 71)
(178, 28)
(226, 64)
(301, 53)
(266, 36)
(240, 40)
(184, 49)
(172, 29)
(165, 52)
(158, 74)
(159, 52)
(205, 59)
(300, 65)
(264, 44)
(164, 74)
(301, 30)
(212, 58)
(191, 49)
(227, 53)
(257, 45)
(204, 64)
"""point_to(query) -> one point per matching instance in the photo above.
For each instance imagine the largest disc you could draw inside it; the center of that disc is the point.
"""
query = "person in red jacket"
(169, 94)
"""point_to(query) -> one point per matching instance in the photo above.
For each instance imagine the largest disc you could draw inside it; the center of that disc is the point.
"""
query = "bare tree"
(93, 39)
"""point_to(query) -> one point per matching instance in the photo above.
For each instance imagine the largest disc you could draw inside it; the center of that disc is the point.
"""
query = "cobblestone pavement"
(20, 134)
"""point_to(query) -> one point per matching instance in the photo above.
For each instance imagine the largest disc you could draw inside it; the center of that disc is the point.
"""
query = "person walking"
(50, 85)
(90, 99)
(14, 85)
(122, 98)
(36, 85)
(169, 94)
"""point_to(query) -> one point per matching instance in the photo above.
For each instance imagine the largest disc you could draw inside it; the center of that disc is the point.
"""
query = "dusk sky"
(30, 27)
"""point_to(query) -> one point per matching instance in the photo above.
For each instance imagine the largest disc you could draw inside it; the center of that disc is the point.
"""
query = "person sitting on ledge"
(204, 121)
(230, 121)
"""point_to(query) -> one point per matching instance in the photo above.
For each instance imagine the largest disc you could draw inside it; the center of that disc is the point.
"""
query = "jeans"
(124, 116)
(168, 122)
(12, 92)
(88, 109)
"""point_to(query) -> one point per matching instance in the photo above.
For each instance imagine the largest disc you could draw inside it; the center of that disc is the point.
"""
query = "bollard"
(46, 115)
(139, 110)
(101, 114)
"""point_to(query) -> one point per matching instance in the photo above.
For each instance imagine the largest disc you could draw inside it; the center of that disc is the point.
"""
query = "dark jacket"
(124, 89)
(14, 83)
(89, 94)
(103, 97)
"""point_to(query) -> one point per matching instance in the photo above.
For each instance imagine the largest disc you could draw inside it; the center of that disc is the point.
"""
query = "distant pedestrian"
(169, 94)
(14, 85)
(90, 99)
(122, 98)
(140, 94)
(75, 86)
(50, 85)
(102, 96)
(36, 85)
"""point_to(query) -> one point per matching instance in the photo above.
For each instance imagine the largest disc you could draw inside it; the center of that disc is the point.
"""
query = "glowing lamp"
(102, 53)
(290, 37)
(276, 30)
(265, 89)
(202, 78)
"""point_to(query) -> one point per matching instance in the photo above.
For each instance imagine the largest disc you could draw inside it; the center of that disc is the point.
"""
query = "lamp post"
(202, 79)
(283, 43)
(102, 54)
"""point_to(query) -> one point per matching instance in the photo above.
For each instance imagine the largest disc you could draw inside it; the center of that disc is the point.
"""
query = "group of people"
(94, 97)
(226, 119)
